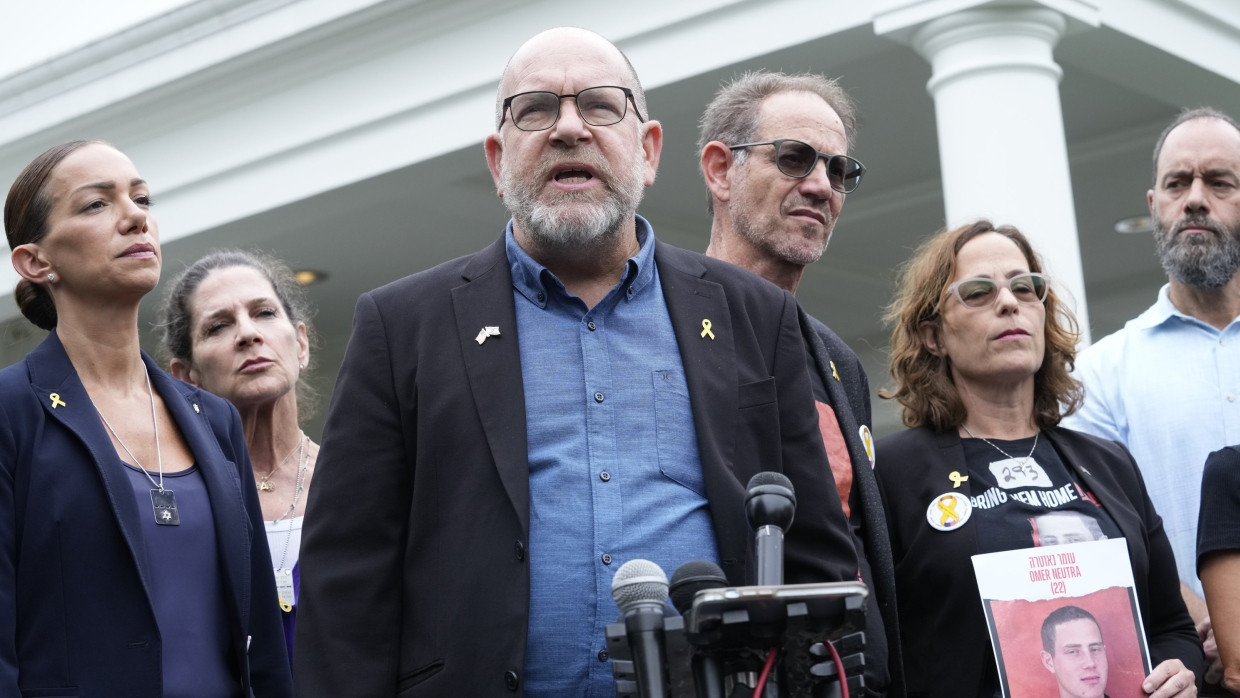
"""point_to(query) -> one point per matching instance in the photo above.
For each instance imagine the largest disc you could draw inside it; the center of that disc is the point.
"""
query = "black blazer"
(947, 649)
(849, 397)
(413, 560)
(75, 617)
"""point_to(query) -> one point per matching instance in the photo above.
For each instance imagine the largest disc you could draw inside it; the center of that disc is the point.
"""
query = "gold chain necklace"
(265, 484)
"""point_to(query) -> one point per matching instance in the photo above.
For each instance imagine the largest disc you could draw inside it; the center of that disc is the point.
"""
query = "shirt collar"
(537, 283)
(1164, 311)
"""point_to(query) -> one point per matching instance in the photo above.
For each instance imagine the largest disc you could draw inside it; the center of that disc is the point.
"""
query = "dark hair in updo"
(26, 211)
(177, 320)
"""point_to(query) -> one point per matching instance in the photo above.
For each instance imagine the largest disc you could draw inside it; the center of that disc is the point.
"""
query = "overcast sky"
(33, 31)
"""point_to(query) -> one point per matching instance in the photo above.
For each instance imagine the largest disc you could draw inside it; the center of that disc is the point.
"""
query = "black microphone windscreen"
(769, 477)
(692, 577)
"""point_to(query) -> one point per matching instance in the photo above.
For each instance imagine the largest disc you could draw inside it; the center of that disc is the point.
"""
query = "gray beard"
(567, 222)
(1210, 263)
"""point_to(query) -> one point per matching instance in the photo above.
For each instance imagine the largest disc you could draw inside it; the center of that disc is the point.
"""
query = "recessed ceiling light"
(307, 277)
(1135, 224)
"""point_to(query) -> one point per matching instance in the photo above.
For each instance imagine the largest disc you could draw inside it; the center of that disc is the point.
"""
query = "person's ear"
(303, 345)
(652, 148)
(30, 263)
(493, 145)
(182, 370)
(929, 332)
(1046, 661)
(716, 161)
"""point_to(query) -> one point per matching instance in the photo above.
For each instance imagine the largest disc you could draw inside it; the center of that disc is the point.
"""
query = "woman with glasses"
(981, 353)
(132, 554)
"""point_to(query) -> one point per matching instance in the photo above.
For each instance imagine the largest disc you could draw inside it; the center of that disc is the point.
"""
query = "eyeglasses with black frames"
(797, 159)
(981, 292)
(598, 106)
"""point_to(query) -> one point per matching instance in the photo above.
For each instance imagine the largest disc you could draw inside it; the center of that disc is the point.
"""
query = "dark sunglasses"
(797, 159)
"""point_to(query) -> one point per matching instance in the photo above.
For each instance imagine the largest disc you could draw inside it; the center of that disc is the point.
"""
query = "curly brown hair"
(923, 381)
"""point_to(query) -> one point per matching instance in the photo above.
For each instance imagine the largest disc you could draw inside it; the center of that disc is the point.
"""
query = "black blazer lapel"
(494, 368)
(65, 401)
(1099, 478)
(710, 372)
(219, 474)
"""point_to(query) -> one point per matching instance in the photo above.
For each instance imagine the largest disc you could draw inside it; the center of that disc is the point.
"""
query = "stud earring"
(51, 277)
(301, 367)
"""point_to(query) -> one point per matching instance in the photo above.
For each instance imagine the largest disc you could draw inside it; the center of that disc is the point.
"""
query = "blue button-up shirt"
(614, 466)
(1167, 386)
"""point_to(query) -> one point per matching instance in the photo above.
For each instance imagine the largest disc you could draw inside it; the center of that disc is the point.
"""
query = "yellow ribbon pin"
(56, 401)
(950, 518)
(957, 479)
(706, 329)
(834, 372)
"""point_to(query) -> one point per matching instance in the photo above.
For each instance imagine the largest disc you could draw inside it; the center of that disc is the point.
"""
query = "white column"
(995, 86)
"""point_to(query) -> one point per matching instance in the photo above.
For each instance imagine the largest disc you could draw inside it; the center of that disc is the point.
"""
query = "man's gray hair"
(732, 116)
(1184, 117)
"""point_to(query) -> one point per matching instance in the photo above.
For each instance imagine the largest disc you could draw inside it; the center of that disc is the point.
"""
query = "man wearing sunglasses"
(1167, 384)
(773, 152)
(509, 428)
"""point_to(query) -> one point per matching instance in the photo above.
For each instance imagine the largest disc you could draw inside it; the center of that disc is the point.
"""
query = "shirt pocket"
(675, 433)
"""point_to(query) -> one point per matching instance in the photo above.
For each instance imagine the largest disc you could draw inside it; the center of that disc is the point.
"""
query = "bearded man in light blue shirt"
(1166, 385)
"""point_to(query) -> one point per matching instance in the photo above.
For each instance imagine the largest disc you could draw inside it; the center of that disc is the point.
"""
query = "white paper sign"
(1064, 616)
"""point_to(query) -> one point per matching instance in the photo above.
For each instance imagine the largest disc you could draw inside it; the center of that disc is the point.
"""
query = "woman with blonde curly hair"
(981, 353)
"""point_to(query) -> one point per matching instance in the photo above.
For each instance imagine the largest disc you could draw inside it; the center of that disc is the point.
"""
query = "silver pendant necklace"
(163, 501)
(1023, 461)
(284, 576)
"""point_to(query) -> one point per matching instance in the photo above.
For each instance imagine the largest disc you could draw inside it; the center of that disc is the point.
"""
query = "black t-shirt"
(1029, 500)
(1219, 525)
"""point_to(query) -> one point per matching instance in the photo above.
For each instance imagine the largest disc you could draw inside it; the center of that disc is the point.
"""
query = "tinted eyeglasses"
(598, 106)
(981, 292)
(797, 159)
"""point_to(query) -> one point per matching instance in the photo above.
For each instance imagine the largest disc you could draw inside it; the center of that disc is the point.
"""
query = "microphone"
(769, 507)
(640, 590)
(687, 581)
(692, 577)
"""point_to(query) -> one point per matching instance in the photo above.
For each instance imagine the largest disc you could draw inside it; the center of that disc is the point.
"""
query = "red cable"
(770, 662)
(766, 672)
(839, 669)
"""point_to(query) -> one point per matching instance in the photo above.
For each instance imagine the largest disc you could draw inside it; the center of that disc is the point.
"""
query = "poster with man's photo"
(1064, 620)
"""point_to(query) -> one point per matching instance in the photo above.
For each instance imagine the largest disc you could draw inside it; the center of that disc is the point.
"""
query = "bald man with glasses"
(509, 428)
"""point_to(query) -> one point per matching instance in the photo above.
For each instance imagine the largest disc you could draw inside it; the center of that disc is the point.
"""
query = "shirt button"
(598, 397)
(511, 680)
(604, 476)
(630, 290)
(519, 547)
(602, 655)
(591, 326)
(606, 559)
(1231, 398)
(541, 297)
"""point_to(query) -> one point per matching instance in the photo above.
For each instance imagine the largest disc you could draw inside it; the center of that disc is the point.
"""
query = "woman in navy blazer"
(132, 555)
(980, 356)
